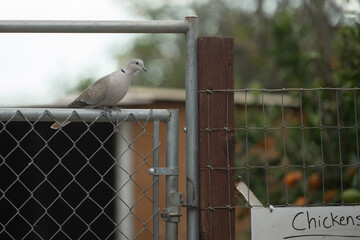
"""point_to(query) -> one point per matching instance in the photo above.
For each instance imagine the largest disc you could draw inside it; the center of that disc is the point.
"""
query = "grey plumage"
(107, 91)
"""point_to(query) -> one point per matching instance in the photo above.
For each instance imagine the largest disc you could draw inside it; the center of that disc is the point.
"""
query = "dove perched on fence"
(107, 91)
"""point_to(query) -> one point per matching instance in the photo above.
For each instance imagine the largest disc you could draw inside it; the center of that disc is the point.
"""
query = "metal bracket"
(172, 213)
(156, 171)
(176, 199)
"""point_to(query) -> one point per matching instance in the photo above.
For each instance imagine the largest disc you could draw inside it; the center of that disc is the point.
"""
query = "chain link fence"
(88, 180)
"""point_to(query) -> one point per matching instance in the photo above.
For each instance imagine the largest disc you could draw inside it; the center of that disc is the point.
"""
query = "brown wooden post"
(216, 138)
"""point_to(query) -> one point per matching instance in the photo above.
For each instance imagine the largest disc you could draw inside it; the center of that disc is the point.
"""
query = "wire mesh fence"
(88, 180)
(294, 147)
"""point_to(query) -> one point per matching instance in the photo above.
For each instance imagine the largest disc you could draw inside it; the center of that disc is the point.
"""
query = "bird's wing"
(93, 95)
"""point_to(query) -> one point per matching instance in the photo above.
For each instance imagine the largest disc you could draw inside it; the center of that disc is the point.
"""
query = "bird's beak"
(145, 70)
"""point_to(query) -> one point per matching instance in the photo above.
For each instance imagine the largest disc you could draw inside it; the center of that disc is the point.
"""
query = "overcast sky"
(35, 68)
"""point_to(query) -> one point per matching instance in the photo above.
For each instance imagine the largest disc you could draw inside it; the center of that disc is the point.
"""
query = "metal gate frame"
(189, 27)
(169, 117)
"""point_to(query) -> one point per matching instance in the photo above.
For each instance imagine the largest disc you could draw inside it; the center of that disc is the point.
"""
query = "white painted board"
(306, 223)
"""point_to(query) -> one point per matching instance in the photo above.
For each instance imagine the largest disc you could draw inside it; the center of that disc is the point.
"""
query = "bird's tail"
(59, 125)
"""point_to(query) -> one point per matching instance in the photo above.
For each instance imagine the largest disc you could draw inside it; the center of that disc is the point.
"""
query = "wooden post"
(216, 138)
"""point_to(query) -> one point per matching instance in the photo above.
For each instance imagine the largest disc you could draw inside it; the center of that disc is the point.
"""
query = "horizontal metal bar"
(43, 26)
(157, 171)
(77, 115)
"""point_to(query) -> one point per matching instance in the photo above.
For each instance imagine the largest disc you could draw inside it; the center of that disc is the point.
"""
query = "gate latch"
(172, 213)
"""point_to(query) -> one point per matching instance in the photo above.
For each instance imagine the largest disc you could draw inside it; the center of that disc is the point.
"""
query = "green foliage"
(351, 195)
(275, 143)
(293, 62)
(291, 46)
(348, 47)
(163, 58)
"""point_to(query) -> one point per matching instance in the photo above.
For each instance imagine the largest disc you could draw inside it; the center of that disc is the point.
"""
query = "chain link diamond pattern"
(63, 184)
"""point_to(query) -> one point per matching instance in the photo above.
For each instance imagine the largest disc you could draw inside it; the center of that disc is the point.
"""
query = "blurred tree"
(292, 64)
(348, 64)
(277, 43)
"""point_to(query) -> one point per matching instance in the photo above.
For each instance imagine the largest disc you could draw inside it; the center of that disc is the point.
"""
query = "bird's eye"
(137, 63)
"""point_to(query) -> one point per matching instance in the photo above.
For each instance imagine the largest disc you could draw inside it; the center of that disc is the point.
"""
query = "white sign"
(305, 223)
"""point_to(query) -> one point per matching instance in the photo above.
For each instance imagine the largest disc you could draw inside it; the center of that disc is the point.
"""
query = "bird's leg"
(108, 110)
(115, 108)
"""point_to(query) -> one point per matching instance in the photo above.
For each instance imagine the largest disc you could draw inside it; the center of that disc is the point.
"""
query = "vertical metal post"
(171, 181)
(191, 85)
(156, 180)
(124, 165)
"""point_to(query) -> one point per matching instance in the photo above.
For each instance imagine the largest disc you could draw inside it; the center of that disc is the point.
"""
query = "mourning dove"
(107, 91)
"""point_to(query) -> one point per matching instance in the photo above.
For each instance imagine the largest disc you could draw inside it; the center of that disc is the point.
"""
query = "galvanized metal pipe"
(171, 182)
(127, 193)
(192, 182)
(156, 180)
(88, 115)
(42, 26)
(189, 26)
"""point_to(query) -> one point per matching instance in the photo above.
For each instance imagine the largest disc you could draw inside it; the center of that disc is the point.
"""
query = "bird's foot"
(109, 110)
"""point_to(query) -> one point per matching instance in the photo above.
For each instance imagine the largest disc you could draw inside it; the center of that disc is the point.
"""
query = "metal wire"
(295, 146)
(56, 184)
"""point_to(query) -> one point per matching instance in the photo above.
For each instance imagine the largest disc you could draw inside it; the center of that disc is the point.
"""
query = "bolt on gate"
(31, 118)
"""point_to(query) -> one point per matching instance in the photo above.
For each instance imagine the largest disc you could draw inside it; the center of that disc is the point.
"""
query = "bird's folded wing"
(93, 95)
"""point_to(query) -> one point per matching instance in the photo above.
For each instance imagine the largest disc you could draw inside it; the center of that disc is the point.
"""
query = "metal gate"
(188, 27)
(89, 180)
